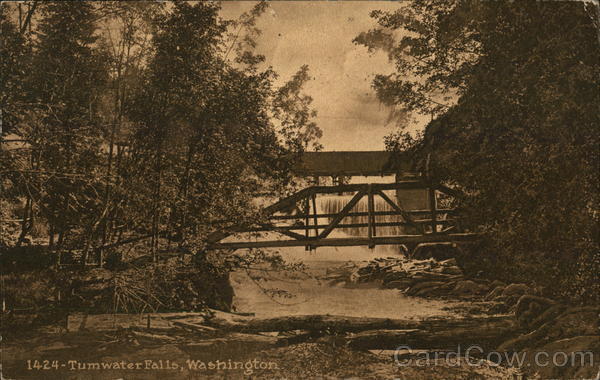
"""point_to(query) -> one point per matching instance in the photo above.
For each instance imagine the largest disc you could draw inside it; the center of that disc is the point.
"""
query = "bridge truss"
(297, 217)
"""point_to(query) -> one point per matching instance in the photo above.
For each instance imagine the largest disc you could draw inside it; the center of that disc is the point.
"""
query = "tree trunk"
(237, 323)
(472, 332)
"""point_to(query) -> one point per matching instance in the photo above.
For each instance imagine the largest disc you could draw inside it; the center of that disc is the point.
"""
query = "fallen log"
(111, 322)
(337, 324)
(247, 342)
(154, 338)
(464, 334)
(194, 327)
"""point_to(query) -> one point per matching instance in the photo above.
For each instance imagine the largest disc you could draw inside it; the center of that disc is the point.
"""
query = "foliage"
(136, 119)
(293, 111)
(515, 88)
(402, 141)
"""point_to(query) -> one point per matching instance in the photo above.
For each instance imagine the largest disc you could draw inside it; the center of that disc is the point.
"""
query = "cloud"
(320, 34)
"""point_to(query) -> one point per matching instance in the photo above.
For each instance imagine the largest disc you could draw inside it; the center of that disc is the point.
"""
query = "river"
(310, 295)
(313, 296)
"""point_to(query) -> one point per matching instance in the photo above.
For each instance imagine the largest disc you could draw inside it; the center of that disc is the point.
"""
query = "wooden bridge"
(297, 217)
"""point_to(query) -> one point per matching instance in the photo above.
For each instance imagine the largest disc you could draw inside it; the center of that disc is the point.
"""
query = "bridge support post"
(307, 221)
(371, 217)
(433, 208)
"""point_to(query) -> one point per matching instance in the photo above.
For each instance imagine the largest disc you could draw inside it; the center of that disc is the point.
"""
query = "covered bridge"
(355, 163)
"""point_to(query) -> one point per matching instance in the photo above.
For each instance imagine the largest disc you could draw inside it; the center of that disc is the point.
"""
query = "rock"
(495, 293)
(497, 283)
(354, 276)
(452, 270)
(423, 285)
(433, 291)
(450, 285)
(498, 308)
(398, 284)
(548, 315)
(448, 263)
(571, 358)
(508, 300)
(468, 287)
(529, 307)
(516, 289)
(577, 321)
(393, 276)
(437, 251)
(573, 322)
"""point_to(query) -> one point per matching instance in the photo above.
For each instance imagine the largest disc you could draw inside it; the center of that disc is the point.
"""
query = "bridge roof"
(350, 163)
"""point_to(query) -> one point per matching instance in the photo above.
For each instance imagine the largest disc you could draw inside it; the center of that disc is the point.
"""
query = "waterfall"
(334, 204)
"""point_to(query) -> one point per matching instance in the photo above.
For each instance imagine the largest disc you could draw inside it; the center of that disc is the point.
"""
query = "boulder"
(451, 270)
(516, 289)
(571, 358)
(469, 287)
(508, 300)
(548, 315)
(495, 293)
(448, 263)
(398, 284)
(577, 321)
(437, 251)
(498, 308)
(573, 322)
(423, 285)
(530, 307)
(497, 283)
(393, 276)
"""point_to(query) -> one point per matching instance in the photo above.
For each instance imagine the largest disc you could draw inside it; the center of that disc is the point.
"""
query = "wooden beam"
(342, 214)
(397, 208)
(306, 221)
(449, 191)
(346, 242)
(315, 219)
(288, 202)
(332, 215)
(344, 225)
(433, 207)
(371, 218)
(291, 201)
(287, 233)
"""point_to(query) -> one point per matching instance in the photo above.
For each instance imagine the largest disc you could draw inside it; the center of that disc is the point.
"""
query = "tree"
(149, 121)
(15, 49)
(204, 124)
(292, 109)
(65, 84)
(514, 88)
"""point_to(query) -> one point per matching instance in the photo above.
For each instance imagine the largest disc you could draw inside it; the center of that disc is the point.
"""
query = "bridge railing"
(300, 209)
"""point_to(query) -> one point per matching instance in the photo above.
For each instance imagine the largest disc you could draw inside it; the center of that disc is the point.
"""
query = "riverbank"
(280, 330)
(133, 353)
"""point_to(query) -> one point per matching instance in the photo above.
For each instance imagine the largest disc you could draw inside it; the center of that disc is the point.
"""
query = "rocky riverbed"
(509, 318)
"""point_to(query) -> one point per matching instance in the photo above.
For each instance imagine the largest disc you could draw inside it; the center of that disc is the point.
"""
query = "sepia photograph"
(399, 189)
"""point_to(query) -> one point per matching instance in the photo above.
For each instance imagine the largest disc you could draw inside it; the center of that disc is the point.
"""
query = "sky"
(320, 34)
